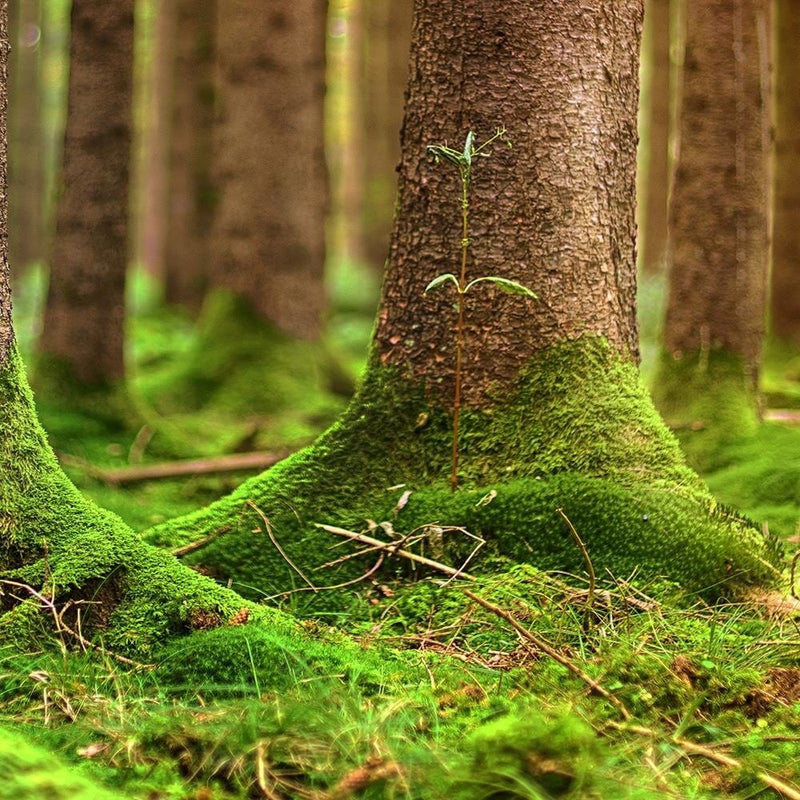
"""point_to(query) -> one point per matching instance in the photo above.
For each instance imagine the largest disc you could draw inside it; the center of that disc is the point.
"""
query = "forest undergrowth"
(507, 683)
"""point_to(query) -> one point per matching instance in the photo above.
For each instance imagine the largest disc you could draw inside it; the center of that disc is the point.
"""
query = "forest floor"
(517, 684)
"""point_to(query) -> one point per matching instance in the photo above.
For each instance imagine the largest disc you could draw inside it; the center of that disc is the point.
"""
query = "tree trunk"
(553, 414)
(268, 242)
(785, 300)
(719, 231)
(190, 191)
(26, 177)
(653, 183)
(385, 66)
(84, 315)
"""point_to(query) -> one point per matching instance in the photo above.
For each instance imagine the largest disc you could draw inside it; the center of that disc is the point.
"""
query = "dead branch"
(177, 469)
(392, 548)
(549, 650)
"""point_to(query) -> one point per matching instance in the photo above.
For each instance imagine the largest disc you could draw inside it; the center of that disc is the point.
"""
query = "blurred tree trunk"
(84, 314)
(268, 237)
(152, 167)
(719, 216)
(190, 195)
(385, 52)
(653, 177)
(26, 175)
(785, 300)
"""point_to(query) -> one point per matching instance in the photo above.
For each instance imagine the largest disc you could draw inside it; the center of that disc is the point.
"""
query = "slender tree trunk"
(26, 177)
(190, 191)
(152, 228)
(552, 410)
(268, 242)
(84, 315)
(719, 219)
(385, 67)
(785, 298)
(653, 183)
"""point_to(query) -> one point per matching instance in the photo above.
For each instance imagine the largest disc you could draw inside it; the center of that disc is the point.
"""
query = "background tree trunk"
(785, 296)
(268, 239)
(653, 177)
(26, 175)
(719, 230)
(190, 191)
(84, 315)
(385, 52)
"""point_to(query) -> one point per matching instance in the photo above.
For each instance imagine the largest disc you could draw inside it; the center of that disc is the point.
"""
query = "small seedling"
(464, 160)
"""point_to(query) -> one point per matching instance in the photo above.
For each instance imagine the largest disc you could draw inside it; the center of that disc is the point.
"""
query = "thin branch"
(390, 547)
(268, 528)
(198, 544)
(549, 650)
(589, 568)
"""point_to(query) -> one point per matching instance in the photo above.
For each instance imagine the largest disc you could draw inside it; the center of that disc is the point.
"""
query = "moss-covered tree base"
(578, 433)
(60, 545)
(780, 378)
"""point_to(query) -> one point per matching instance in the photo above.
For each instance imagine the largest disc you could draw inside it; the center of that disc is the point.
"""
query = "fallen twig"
(587, 620)
(176, 469)
(179, 552)
(392, 548)
(549, 650)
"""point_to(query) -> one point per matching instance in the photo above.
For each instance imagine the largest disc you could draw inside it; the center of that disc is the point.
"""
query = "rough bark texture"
(785, 302)
(268, 236)
(555, 212)
(719, 234)
(653, 188)
(6, 330)
(26, 177)
(385, 67)
(83, 320)
(190, 194)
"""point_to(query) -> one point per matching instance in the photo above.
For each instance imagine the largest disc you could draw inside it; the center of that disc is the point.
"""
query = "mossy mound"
(579, 432)
(33, 773)
(709, 399)
(55, 541)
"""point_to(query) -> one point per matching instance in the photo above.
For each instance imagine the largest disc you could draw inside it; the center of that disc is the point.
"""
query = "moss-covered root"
(61, 545)
(32, 773)
(709, 399)
(579, 432)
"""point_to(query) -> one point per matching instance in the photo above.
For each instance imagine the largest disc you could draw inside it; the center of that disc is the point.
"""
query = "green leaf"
(437, 150)
(512, 287)
(467, 155)
(440, 279)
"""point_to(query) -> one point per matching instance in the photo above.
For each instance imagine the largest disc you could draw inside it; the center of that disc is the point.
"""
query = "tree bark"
(268, 242)
(719, 234)
(84, 315)
(653, 182)
(555, 211)
(385, 66)
(26, 177)
(190, 191)
(785, 295)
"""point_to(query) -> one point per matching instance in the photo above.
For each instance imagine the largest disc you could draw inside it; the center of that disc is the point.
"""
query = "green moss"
(709, 399)
(780, 374)
(33, 773)
(579, 431)
(55, 540)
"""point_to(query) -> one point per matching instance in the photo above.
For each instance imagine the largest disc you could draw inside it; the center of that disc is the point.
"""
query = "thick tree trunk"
(190, 193)
(385, 67)
(719, 219)
(785, 299)
(84, 315)
(268, 239)
(653, 183)
(26, 176)
(553, 412)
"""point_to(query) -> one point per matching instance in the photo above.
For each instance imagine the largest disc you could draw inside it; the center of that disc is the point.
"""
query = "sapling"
(463, 160)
